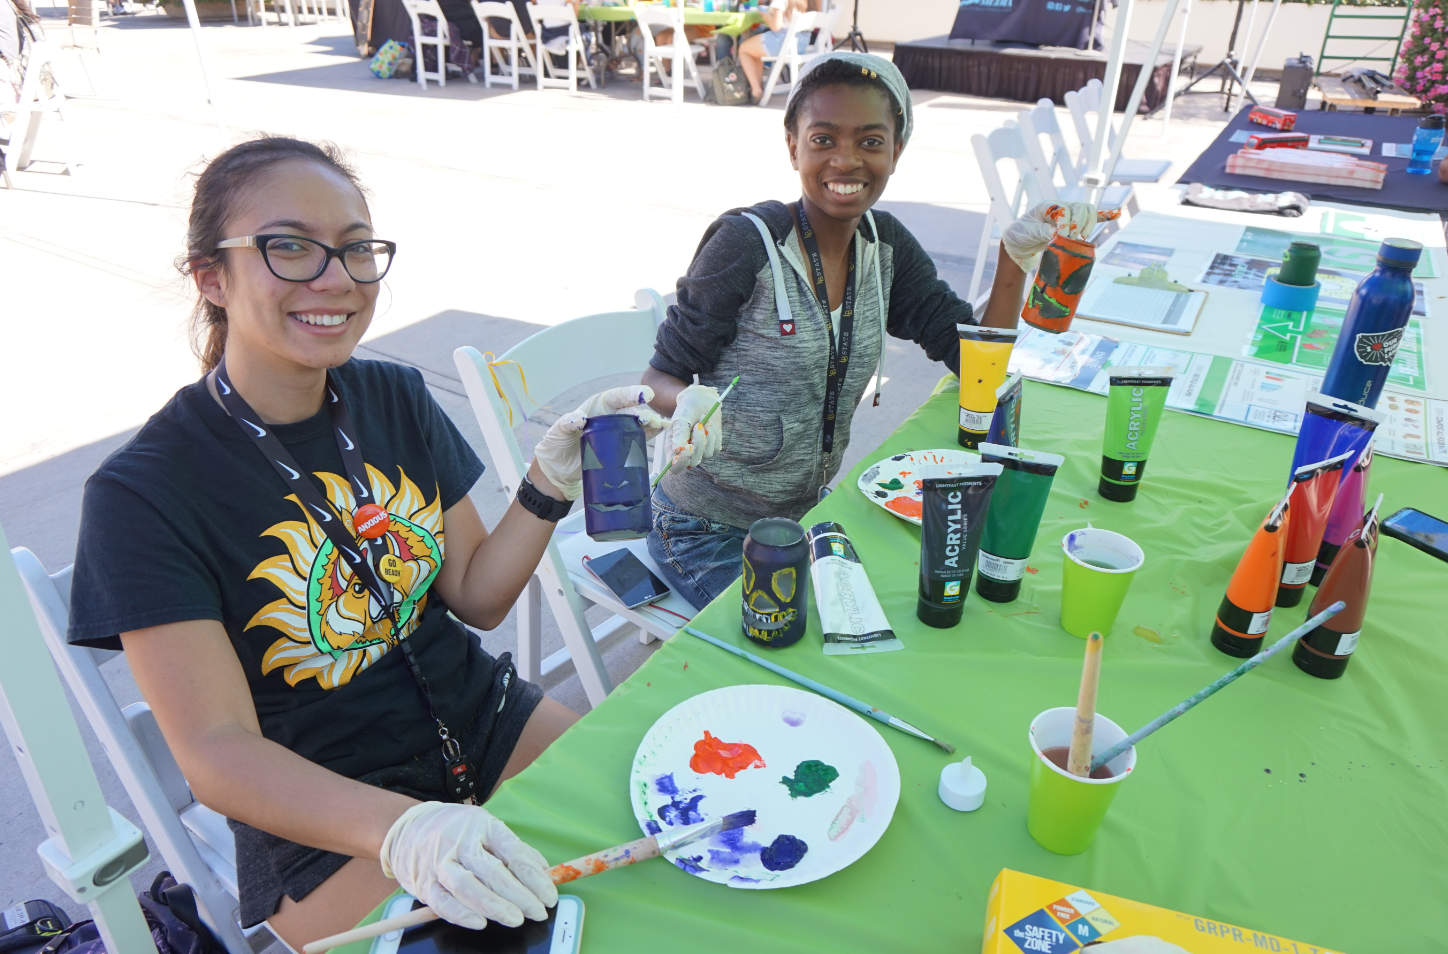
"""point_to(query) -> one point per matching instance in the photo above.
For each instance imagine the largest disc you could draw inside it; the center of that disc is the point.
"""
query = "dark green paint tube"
(1133, 410)
(1014, 517)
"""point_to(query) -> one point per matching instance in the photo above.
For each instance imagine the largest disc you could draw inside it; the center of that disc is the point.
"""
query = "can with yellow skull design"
(776, 575)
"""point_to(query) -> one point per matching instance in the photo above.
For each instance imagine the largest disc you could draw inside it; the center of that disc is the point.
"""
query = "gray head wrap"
(881, 69)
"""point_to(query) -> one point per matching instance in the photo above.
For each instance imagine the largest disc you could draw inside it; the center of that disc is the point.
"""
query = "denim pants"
(698, 557)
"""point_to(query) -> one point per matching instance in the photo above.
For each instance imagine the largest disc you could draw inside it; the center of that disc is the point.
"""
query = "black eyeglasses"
(295, 259)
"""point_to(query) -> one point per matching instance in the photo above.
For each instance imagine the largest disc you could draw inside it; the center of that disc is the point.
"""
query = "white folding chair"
(790, 58)
(675, 59)
(193, 840)
(557, 360)
(505, 53)
(1006, 203)
(1083, 103)
(1043, 165)
(40, 95)
(416, 10)
(83, 18)
(554, 15)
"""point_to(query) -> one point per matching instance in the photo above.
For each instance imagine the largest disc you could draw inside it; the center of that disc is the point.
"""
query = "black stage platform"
(1012, 71)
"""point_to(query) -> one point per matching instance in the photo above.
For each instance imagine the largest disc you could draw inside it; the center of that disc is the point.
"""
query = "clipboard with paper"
(1147, 300)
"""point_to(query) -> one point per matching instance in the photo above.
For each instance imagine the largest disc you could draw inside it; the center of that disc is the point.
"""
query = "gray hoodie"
(727, 322)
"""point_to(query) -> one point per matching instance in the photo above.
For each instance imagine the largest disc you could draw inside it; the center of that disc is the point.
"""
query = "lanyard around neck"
(839, 356)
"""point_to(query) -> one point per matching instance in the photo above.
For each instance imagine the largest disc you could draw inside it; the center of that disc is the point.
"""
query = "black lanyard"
(839, 357)
(364, 556)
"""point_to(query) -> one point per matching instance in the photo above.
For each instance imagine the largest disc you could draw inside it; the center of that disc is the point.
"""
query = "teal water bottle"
(1426, 139)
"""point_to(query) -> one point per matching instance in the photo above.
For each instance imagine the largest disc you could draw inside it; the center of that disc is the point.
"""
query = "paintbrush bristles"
(944, 745)
(738, 820)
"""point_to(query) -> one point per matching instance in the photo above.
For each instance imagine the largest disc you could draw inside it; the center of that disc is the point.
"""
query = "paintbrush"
(864, 708)
(626, 854)
(712, 409)
(1229, 678)
(1078, 762)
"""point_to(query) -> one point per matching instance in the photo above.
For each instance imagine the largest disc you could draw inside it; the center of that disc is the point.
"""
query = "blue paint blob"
(665, 785)
(740, 879)
(730, 848)
(783, 853)
(652, 827)
(682, 811)
(692, 865)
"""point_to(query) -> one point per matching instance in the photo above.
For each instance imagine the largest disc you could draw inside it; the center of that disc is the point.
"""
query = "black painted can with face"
(776, 580)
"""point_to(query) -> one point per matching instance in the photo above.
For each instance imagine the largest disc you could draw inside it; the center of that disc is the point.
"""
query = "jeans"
(698, 557)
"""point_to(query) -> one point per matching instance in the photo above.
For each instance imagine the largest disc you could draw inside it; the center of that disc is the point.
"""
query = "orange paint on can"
(1060, 281)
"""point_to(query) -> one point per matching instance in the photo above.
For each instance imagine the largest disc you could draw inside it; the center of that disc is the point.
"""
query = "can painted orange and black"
(1061, 279)
(1246, 609)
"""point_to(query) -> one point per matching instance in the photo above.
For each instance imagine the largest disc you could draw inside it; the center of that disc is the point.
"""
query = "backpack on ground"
(731, 88)
(171, 914)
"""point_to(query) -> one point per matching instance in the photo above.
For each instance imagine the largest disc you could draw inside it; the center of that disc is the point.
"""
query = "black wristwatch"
(540, 504)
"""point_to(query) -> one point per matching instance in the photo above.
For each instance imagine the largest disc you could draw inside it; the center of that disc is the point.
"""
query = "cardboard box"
(1030, 915)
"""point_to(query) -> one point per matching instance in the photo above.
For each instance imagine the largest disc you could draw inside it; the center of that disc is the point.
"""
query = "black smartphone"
(1418, 529)
(626, 576)
(560, 934)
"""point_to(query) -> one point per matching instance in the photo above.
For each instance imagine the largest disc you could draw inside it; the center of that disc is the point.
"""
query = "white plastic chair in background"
(416, 10)
(790, 58)
(506, 54)
(1085, 102)
(557, 360)
(40, 96)
(193, 840)
(1044, 166)
(1006, 203)
(674, 60)
(83, 18)
(553, 15)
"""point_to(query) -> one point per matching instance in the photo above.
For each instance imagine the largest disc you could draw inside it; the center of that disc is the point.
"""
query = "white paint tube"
(850, 615)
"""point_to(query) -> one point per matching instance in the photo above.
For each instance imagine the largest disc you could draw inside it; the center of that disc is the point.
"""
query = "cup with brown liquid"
(1066, 810)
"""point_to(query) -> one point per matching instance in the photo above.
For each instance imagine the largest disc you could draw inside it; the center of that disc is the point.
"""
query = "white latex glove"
(559, 454)
(688, 438)
(467, 866)
(1027, 237)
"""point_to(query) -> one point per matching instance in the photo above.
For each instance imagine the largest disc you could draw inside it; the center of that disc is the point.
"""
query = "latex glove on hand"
(467, 866)
(689, 439)
(559, 454)
(1026, 238)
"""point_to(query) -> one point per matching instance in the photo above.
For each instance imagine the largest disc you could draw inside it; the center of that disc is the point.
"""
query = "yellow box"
(1030, 915)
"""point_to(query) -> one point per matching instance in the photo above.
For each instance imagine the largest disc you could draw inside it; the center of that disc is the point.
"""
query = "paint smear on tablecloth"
(859, 805)
(810, 778)
(715, 757)
(783, 853)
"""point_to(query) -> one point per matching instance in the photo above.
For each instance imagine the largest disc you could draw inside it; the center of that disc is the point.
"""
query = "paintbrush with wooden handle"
(626, 854)
(1078, 759)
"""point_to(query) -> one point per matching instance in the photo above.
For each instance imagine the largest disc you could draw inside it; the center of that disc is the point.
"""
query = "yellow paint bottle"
(985, 354)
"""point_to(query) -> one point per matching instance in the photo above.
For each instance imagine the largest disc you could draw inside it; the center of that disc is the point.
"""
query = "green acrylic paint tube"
(1133, 410)
(1014, 517)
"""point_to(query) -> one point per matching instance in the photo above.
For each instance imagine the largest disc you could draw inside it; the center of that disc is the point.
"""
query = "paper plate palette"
(893, 483)
(822, 781)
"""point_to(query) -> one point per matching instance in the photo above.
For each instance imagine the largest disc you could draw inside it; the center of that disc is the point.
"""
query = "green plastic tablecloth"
(726, 21)
(1317, 810)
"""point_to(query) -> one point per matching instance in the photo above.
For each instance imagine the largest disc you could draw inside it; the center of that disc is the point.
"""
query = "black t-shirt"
(190, 521)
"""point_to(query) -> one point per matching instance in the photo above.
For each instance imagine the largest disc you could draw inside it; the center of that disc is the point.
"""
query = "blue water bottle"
(1376, 317)
(1426, 139)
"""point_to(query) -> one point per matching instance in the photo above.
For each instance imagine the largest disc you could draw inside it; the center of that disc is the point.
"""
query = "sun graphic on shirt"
(333, 627)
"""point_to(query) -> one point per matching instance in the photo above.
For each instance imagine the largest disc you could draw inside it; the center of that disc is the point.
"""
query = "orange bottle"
(1246, 610)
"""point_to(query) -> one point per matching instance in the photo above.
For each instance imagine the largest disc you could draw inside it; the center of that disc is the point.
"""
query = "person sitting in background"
(754, 49)
(850, 278)
(271, 538)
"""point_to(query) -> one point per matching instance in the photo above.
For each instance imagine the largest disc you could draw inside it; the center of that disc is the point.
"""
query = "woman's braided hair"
(839, 73)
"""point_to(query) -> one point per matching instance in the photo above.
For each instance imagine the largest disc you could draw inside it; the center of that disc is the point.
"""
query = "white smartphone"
(560, 934)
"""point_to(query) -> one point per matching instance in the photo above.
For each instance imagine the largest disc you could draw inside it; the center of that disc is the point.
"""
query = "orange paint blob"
(904, 506)
(564, 874)
(715, 757)
(595, 865)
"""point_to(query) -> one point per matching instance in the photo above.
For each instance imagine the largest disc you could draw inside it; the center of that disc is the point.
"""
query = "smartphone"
(1418, 529)
(626, 577)
(560, 934)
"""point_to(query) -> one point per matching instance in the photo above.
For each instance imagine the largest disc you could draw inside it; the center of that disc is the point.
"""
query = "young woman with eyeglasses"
(269, 551)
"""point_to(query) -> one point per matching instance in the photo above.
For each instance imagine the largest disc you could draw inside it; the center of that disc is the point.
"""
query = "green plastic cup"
(1098, 568)
(1065, 810)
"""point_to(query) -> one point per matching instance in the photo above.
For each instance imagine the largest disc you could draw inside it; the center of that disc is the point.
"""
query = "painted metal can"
(1060, 281)
(776, 577)
(615, 478)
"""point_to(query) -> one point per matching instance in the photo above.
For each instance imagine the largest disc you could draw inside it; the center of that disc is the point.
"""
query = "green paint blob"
(892, 484)
(810, 778)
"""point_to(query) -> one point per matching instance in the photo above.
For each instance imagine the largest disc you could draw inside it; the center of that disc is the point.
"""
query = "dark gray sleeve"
(923, 308)
(720, 282)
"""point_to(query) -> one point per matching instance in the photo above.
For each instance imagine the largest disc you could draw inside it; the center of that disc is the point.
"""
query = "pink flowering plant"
(1424, 56)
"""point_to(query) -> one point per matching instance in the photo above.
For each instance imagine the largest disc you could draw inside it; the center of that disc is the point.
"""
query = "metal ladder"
(1393, 14)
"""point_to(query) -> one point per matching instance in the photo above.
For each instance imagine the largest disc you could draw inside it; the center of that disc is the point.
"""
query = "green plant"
(1424, 55)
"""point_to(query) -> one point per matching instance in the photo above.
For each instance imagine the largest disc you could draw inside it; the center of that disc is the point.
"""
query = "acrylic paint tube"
(850, 615)
(1005, 426)
(1326, 651)
(1133, 410)
(953, 509)
(1314, 488)
(1329, 427)
(1246, 609)
(1013, 519)
(984, 355)
(1346, 513)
